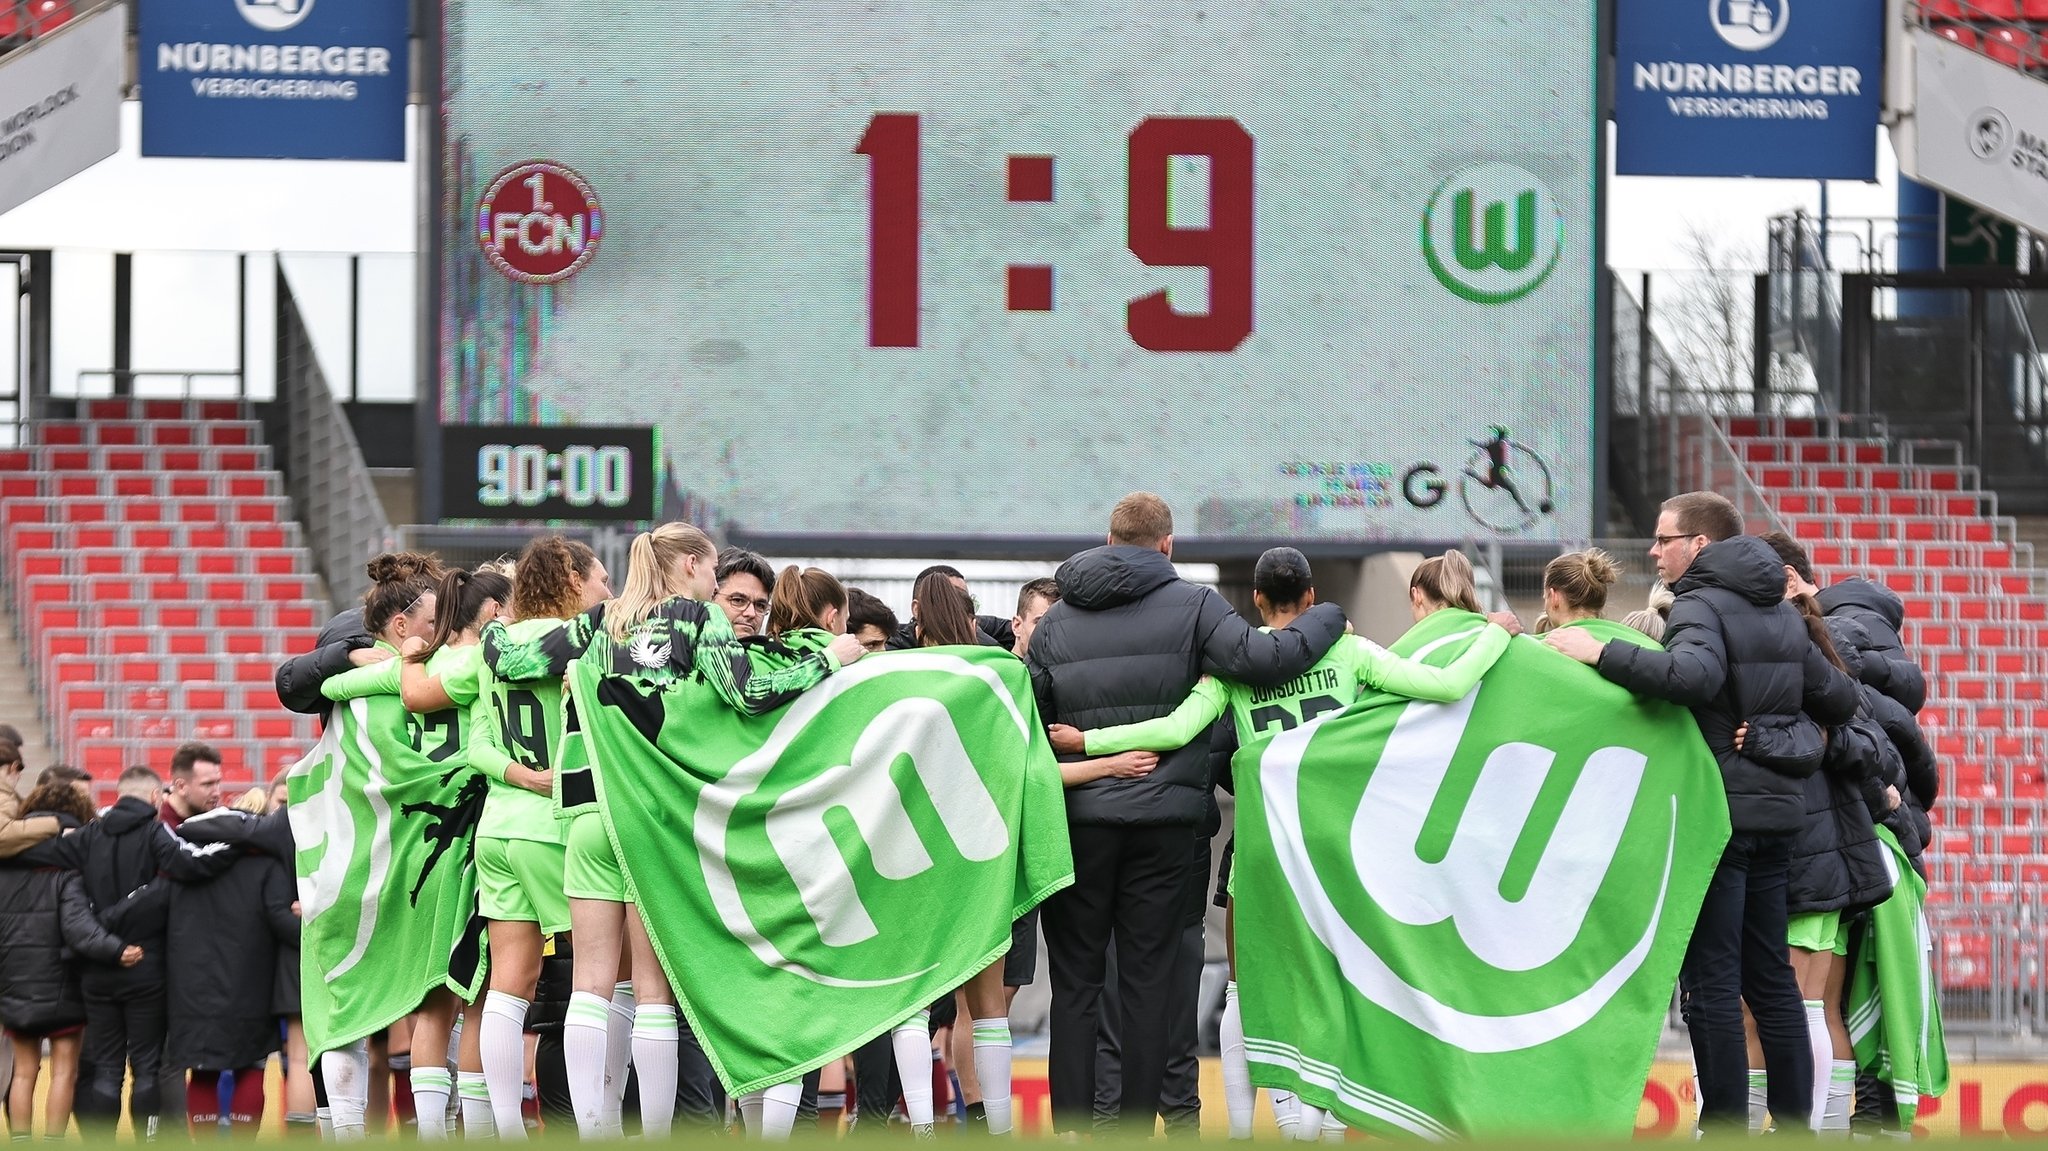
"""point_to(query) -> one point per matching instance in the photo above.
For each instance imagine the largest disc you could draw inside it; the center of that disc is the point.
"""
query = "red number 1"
(891, 146)
(1224, 246)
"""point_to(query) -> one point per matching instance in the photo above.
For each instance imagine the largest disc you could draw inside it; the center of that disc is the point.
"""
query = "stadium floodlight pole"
(427, 107)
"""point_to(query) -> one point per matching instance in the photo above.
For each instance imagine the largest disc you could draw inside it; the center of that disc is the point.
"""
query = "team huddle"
(659, 824)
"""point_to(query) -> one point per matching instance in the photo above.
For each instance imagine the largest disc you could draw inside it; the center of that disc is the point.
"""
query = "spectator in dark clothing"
(119, 856)
(1737, 654)
(225, 937)
(1127, 641)
(991, 630)
(195, 784)
(1887, 666)
(46, 928)
(341, 645)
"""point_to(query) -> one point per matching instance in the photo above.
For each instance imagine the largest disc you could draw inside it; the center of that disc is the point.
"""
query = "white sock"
(477, 1121)
(583, 1042)
(1823, 1046)
(431, 1087)
(750, 1114)
(656, 1041)
(324, 1116)
(618, 1054)
(1759, 1099)
(1287, 1113)
(1311, 1127)
(1239, 1096)
(346, 1071)
(992, 1048)
(912, 1042)
(1333, 1128)
(1841, 1095)
(503, 1038)
(778, 1108)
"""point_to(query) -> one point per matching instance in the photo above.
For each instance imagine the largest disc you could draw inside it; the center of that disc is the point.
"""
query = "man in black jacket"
(1127, 642)
(119, 857)
(1880, 612)
(1738, 655)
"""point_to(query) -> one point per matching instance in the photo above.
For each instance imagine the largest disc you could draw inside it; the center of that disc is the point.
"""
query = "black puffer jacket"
(1735, 651)
(1886, 666)
(225, 938)
(299, 678)
(1127, 642)
(117, 856)
(1837, 863)
(1918, 782)
(46, 928)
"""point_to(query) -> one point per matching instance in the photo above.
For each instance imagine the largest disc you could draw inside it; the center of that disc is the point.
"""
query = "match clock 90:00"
(548, 473)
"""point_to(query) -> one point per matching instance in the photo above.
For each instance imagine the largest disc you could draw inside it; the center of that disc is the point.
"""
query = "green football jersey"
(1353, 666)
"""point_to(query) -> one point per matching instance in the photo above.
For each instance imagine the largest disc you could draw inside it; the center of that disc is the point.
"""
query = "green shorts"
(520, 880)
(593, 870)
(1817, 931)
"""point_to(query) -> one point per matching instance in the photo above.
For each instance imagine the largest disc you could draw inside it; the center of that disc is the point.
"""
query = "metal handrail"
(115, 377)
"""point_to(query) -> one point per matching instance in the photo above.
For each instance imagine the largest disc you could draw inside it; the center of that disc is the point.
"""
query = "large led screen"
(1311, 270)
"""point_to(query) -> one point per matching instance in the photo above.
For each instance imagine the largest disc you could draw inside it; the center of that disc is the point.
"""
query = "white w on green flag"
(813, 876)
(1467, 918)
(1894, 1006)
(386, 888)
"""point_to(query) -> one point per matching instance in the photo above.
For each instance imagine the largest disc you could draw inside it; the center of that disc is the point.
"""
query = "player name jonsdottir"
(1315, 679)
(274, 59)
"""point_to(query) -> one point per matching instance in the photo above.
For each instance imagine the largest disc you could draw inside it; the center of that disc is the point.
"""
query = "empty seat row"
(2012, 47)
(211, 726)
(206, 511)
(244, 762)
(1866, 554)
(247, 615)
(1881, 478)
(176, 669)
(149, 433)
(1795, 450)
(141, 485)
(70, 459)
(1984, 9)
(1820, 501)
(166, 643)
(24, 20)
(1924, 529)
(1925, 581)
(35, 562)
(260, 698)
(160, 408)
(178, 536)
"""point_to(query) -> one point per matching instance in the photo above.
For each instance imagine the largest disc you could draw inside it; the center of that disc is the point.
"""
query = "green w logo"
(1501, 231)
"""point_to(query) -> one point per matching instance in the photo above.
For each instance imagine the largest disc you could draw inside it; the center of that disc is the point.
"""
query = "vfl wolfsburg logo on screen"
(1492, 897)
(1492, 233)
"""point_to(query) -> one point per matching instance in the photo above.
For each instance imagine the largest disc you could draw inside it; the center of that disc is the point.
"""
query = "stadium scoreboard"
(1317, 271)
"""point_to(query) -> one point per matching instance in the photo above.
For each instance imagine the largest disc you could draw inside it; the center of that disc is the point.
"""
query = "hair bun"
(1601, 566)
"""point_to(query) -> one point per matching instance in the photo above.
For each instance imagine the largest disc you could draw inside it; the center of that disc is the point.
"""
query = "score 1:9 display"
(1222, 247)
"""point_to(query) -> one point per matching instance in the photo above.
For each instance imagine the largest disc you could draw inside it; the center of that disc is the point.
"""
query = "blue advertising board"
(1748, 88)
(286, 79)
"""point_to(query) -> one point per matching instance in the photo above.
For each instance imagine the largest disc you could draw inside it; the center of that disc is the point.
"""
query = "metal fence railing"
(321, 461)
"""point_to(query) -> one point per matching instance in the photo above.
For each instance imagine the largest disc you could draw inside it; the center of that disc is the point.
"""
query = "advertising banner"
(1981, 131)
(60, 106)
(1748, 88)
(285, 79)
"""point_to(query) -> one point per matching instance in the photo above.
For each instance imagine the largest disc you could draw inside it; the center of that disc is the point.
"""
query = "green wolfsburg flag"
(1467, 918)
(813, 876)
(1894, 1006)
(386, 890)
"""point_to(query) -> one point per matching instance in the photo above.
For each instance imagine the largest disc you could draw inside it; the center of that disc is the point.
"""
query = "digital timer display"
(573, 473)
(1311, 270)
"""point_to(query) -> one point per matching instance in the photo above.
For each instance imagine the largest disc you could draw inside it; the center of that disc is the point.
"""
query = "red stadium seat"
(2007, 45)
(1964, 36)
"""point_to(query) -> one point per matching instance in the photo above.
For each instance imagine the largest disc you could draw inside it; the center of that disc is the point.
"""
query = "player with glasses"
(745, 581)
